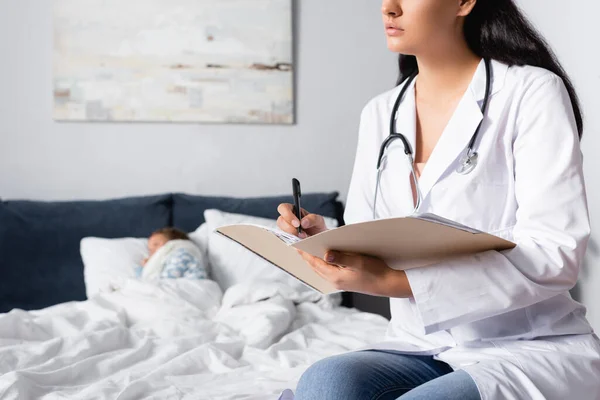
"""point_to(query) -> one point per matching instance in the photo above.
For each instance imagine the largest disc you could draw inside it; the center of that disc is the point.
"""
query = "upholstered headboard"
(40, 262)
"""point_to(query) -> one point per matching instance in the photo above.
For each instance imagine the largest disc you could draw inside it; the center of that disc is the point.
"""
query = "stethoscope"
(467, 162)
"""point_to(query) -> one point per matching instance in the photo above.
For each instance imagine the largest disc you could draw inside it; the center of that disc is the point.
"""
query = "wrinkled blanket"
(175, 339)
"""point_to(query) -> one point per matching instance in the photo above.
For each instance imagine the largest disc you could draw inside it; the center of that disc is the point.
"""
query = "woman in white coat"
(496, 325)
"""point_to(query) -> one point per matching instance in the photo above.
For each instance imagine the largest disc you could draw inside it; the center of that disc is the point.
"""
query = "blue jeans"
(384, 375)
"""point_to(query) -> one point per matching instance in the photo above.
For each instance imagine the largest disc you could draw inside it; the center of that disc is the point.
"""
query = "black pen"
(297, 207)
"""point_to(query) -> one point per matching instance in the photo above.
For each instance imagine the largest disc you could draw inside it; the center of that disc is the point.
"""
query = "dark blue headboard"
(188, 211)
(40, 262)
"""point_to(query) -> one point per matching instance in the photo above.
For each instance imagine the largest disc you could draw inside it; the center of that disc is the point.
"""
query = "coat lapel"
(461, 127)
(452, 143)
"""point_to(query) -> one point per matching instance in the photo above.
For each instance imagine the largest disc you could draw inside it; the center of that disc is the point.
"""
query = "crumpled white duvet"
(175, 339)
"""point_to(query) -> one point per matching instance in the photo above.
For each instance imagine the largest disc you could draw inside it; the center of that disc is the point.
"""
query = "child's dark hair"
(171, 233)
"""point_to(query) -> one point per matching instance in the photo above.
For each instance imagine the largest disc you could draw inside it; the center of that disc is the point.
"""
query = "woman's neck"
(446, 73)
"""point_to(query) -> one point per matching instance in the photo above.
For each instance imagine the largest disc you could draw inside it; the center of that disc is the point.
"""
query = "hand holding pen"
(297, 221)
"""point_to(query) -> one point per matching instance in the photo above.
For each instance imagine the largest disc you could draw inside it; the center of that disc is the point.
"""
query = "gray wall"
(341, 62)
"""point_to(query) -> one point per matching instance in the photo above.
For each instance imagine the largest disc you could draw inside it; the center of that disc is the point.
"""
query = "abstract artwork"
(221, 61)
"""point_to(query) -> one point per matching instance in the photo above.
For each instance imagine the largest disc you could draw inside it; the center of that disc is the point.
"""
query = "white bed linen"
(175, 339)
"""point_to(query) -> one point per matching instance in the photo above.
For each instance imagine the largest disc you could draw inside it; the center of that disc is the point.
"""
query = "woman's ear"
(465, 7)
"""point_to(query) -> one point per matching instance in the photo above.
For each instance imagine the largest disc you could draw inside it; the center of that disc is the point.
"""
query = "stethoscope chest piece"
(468, 162)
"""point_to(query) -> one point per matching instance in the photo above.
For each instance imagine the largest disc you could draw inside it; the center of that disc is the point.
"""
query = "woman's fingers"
(324, 269)
(288, 221)
(318, 270)
(312, 221)
(286, 210)
(287, 227)
(343, 259)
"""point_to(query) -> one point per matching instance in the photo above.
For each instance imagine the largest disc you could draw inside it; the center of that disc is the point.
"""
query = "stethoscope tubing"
(469, 161)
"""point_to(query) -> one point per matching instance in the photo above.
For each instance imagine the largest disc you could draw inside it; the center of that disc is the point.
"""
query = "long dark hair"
(498, 30)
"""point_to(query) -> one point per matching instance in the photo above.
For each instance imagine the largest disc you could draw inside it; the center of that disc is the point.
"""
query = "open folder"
(406, 242)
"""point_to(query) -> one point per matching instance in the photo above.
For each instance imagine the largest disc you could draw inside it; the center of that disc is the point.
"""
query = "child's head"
(161, 236)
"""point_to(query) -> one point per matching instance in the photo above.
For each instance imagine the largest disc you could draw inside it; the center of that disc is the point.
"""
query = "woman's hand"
(311, 223)
(359, 273)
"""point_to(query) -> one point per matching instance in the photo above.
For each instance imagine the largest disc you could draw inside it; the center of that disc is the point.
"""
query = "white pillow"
(107, 260)
(200, 238)
(232, 263)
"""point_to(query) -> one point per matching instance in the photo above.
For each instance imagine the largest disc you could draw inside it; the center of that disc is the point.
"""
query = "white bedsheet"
(175, 339)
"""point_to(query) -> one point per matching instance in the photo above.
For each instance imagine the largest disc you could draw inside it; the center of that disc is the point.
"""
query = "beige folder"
(404, 243)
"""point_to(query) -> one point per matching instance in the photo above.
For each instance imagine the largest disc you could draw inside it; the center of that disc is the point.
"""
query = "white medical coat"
(506, 317)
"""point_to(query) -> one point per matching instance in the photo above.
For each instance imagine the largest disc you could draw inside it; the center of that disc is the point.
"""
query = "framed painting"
(216, 61)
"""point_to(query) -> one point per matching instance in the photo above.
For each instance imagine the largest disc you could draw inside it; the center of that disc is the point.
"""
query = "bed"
(75, 324)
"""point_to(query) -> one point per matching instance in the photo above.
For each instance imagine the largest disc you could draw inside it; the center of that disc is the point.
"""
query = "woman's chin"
(396, 46)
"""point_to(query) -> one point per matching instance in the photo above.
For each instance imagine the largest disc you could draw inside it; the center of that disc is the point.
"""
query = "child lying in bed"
(172, 255)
